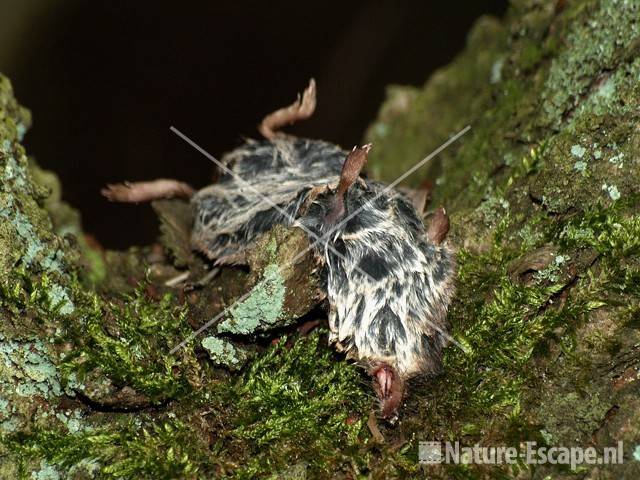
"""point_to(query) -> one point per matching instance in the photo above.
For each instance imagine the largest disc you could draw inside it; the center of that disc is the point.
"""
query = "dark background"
(106, 79)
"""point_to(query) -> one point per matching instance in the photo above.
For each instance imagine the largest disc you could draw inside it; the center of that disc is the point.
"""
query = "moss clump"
(127, 341)
(612, 235)
(502, 326)
(294, 406)
(526, 319)
(136, 448)
(300, 403)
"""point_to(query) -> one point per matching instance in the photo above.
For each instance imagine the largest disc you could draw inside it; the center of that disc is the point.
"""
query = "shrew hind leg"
(137, 192)
(301, 109)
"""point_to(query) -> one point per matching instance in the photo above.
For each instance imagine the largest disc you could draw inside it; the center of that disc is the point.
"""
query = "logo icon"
(430, 453)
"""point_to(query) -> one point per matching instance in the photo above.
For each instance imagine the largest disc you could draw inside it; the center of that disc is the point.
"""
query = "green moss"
(301, 403)
(292, 403)
(136, 449)
(128, 341)
(547, 304)
(610, 233)
(490, 376)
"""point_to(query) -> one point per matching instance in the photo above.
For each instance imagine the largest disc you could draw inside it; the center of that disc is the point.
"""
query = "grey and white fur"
(391, 281)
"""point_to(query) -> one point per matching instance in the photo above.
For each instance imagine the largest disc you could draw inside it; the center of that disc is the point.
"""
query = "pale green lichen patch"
(580, 166)
(551, 273)
(636, 453)
(8, 423)
(606, 100)
(12, 172)
(578, 151)
(36, 249)
(612, 191)
(27, 370)
(262, 308)
(222, 352)
(72, 420)
(59, 298)
(46, 472)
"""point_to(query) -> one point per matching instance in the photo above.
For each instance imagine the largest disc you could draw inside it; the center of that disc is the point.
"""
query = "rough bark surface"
(543, 198)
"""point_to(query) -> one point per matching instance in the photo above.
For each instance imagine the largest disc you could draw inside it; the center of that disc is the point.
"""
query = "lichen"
(261, 309)
(46, 472)
(222, 352)
(603, 43)
(27, 367)
(578, 151)
(612, 191)
(292, 402)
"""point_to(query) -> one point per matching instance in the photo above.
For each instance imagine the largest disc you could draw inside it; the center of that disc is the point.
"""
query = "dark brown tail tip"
(439, 226)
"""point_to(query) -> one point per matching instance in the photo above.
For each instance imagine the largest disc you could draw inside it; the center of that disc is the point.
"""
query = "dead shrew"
(389, 279)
